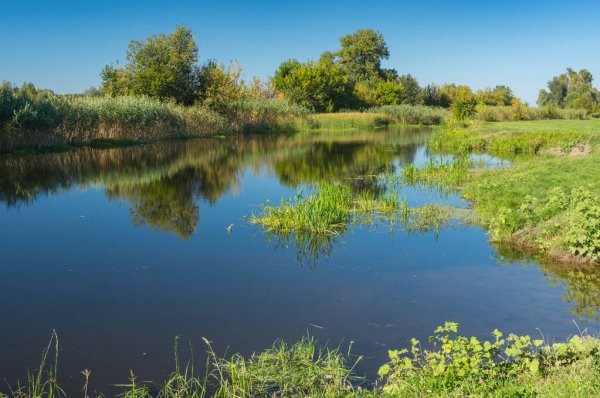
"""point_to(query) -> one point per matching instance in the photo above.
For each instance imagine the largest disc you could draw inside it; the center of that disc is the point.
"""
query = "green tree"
(498, 96)
(378, 92)
(323, 86)
(361, 54)
(219, 86)
(163, 66)
(571, 90)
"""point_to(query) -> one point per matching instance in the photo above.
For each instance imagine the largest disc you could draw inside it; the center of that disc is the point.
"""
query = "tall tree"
(361, 54)
(571, 90)
(162, 66)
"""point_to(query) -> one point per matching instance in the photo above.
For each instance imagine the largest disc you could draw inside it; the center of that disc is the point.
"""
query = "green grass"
(346, 121)
(456, 366)
(522, 137)
(414, 114)
(548, 203)
(325, 212)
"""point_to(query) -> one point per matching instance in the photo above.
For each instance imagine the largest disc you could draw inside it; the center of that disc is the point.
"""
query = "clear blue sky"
(63, 45)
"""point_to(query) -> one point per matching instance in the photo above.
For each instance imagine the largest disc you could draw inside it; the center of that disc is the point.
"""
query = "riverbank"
(457, 366)
(547, 200)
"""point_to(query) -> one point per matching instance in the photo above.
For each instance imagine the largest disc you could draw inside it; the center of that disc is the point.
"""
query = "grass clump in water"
(324, 212)
(439, 172)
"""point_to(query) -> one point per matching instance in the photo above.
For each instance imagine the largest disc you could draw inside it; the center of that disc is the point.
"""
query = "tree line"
(166, 66)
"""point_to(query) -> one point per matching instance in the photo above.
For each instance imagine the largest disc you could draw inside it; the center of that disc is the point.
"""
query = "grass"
(454, 366)
(325, 212)
(346, 121)
(549, 203)
(522, 137)
(313, 223)
(414, 114)
(34, 119)
(333, 207)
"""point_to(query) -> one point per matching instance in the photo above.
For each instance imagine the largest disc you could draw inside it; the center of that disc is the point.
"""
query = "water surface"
(121, 250)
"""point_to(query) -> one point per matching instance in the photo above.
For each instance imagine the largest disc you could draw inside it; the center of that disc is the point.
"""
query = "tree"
(321, 86)
(450, 92)
(361, 54)
(219, 86)
(498, 96)
(377, 92)
(571, 90)
(163, 66)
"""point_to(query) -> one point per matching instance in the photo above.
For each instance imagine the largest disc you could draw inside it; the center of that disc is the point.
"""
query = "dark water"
(121, 250)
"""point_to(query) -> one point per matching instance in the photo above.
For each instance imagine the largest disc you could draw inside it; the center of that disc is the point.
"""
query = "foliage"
(571, 90)
(498, 96)
(456, 366)
(220, 86)
(463, 108)
(361, 53)
(163, 66)
(320, 86)
(582, 235)
(378, 92)
(461, 365)
(451, 92)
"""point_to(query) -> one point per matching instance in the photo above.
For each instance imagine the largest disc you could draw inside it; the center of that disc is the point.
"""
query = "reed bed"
(414, 114)
(31, 118)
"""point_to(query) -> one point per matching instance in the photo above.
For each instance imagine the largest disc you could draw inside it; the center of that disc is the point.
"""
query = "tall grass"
(259, 116)
(39, 118)
(324, 212)
(508, 113)
(345, 121)
(414, 114)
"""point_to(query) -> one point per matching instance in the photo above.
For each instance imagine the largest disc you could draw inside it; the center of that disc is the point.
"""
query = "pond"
(121, 250)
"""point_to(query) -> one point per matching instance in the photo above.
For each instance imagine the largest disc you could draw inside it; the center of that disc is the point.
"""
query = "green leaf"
(534, 365)
(384, 370)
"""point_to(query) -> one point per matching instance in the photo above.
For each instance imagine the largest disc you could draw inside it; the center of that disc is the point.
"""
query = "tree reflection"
(580, 283)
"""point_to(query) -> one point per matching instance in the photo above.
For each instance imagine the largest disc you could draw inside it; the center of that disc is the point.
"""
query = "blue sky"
(63, 45)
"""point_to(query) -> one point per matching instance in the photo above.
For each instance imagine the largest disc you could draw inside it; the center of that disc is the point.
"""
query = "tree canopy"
(571, 90)
(162, 66)
(361, 53)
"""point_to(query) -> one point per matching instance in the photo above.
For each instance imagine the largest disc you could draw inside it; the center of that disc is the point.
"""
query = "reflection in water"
(163, 181)
(580, 284)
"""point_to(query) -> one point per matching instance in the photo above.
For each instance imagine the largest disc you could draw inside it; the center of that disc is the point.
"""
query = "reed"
(414, 114)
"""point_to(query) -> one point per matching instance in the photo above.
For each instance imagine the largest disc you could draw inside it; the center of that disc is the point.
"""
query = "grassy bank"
(453, 366)
(546, 201)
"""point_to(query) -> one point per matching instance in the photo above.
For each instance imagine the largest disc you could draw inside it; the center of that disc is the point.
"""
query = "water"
(121, 250)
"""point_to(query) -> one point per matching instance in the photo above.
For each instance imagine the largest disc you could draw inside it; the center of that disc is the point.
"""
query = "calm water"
(121, 250)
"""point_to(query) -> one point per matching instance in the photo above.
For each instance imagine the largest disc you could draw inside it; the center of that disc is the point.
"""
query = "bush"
(465, 366)
(463, 108)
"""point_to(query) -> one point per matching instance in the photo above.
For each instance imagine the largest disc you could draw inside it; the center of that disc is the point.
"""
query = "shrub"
(463, 108)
